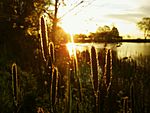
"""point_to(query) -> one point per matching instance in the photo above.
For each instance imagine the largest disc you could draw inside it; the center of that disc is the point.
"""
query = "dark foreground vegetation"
(82, 89)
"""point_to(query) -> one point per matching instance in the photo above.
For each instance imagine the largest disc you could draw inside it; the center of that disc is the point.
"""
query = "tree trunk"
(145, 34)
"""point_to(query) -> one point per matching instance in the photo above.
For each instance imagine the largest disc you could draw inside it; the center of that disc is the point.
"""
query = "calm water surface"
(134, 50)
(125, 49)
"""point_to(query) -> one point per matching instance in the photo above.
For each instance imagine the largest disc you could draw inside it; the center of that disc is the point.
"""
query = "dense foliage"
(144, 25)
(103, 34)
(19, 43)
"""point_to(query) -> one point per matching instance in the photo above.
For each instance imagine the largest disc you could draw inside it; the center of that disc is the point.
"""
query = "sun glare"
(71, 24)
(87, 19)
(71, 48)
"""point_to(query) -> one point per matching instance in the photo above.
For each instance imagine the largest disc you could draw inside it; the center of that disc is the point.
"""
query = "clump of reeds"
(105, 62)
(106, 65)
(49, 58)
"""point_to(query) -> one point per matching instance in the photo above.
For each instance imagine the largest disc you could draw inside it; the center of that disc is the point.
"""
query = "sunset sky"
(87, 16)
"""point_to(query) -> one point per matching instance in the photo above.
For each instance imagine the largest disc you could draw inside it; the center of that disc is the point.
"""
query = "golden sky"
(84, 16)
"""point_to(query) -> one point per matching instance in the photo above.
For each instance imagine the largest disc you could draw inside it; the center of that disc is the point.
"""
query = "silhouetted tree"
(144, 25)
(105, 33)
(103, 29)
(79, 37)
(115, 31)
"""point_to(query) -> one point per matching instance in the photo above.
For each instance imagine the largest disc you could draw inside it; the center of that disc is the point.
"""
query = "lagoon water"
(124, 49)
(137, 51)
(134, 50)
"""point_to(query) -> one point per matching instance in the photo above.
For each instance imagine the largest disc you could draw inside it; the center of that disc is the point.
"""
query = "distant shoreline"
(135, 40)
(114, 41)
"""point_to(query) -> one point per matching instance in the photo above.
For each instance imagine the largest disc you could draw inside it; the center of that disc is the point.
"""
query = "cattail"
(95, 77)
(101, 59)
(109, 68)
(49, 71)
(44, 39)
(87, 54)
(54, 86)
(15, 83)
(94, 68)
(105, 67)
(76, 75)
(132, 97)
(125, 104)
(51, 51)
(59, 91)
(68, 88)
(102, 85)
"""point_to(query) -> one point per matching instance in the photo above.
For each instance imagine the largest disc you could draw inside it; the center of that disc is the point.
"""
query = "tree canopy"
(18, 30)
(144, 25)
(105, 33)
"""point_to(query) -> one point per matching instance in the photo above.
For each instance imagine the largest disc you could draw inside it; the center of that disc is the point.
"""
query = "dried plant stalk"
(54, 86)
(15, 83)
(44, 39)
(105, 67)
(109, 69)
(51, 51)
(94, 68)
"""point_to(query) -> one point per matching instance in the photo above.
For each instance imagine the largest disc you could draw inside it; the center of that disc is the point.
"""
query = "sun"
(73, 21)
(72, 24)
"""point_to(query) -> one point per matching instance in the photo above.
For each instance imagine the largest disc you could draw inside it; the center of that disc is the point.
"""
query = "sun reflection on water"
(71, 49)
(75, 47)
